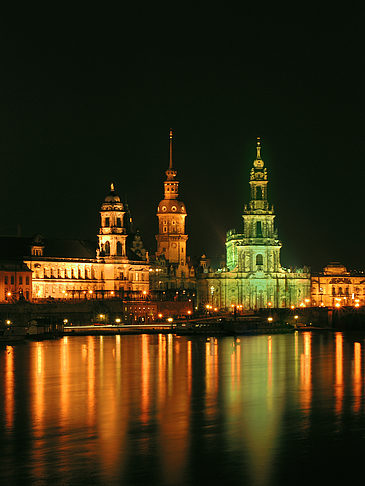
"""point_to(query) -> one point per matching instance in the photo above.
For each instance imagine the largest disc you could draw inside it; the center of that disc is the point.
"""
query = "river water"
(167, 410)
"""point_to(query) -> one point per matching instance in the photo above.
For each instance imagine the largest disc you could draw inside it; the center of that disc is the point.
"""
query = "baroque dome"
(171, 206)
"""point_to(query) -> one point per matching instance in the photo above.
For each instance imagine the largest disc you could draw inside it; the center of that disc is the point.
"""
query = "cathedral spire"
(258, 148)
(170, 164)
(112, 187)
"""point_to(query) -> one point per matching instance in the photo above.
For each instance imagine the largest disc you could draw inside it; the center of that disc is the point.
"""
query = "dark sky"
(88, 100)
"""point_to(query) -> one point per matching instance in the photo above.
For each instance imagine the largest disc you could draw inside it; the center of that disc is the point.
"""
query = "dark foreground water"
(165, 410)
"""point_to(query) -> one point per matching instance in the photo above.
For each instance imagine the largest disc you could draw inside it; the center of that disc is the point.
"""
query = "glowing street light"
(269, 319)
(8, 322)
(159, 316)
(117, 320)
(65, 321)
(296, 317)
(170, 319)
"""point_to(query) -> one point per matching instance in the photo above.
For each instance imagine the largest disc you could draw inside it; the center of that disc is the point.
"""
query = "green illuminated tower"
(253, 277)
(258, 248)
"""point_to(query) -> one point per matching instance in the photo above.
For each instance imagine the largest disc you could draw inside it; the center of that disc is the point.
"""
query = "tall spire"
(170, 164)
(258, 148)
(112, 186)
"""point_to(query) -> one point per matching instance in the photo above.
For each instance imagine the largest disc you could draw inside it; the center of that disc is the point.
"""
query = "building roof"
(15, 247)
(11, 266)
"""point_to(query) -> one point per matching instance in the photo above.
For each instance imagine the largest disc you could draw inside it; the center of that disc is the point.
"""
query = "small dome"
(112, 196)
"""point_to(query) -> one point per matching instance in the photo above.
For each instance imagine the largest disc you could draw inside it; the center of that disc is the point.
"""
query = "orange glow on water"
(357, 382)
(145, 377)
(339, 372)
(211, 378)
(306, 371)
(9, 387)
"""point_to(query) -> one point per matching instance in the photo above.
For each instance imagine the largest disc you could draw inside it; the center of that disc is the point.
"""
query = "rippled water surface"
(166, 410)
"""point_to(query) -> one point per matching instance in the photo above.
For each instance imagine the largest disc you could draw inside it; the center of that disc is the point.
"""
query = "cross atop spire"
(112, 187)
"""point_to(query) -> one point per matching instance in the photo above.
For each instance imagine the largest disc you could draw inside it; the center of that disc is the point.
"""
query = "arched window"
(119, 248)
(259, 260)
(107, 221)
(119, 223)
(107, 248)
(259, 192)
(333, 291)
(340, 291)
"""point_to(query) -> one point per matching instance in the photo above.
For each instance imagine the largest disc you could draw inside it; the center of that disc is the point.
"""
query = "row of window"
(346, 292)
(20, 279)
(118, 222)
(66, 273)
(107, 248)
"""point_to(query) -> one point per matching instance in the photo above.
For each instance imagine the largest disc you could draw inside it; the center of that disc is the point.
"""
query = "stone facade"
(253, 276)
(336, 287)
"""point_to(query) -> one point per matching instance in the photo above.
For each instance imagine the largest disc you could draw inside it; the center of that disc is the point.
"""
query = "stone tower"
(171, 213)
(112, 234)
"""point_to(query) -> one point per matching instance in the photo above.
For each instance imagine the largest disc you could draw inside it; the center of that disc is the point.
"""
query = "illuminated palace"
(171, 268)
(254, 277)
(64, 269)
(337, 287)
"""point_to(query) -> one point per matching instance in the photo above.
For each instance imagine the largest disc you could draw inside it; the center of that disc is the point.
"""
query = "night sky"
(90, 100)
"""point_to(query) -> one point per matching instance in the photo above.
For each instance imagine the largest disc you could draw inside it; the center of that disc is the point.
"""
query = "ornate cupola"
(171, 213)
(112, 234)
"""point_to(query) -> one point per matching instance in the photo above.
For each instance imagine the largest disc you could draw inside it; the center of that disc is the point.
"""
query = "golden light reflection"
(91, 381)
(64, 382)
(9, 387)
(357, 385)
(145, 378)
(38, 403)
(306, 372)
(296, 354)
(189, 367)
(170, 363)
(161, 369)
(174, 416)
(211, 378)
(339, 373)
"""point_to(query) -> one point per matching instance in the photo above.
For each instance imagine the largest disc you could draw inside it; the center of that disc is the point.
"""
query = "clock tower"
(171, 213)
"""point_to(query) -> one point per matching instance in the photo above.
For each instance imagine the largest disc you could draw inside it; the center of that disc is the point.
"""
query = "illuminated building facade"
(15, 282)
(171, 269)
(253, 276)
(336, 287)
(79, 269)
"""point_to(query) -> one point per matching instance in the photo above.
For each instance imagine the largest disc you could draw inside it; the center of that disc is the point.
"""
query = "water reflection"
(162, 409)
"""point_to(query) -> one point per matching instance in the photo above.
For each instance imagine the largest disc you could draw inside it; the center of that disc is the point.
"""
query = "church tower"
(253, 277)
(259, 249)
(112, 234)
(171, 213)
